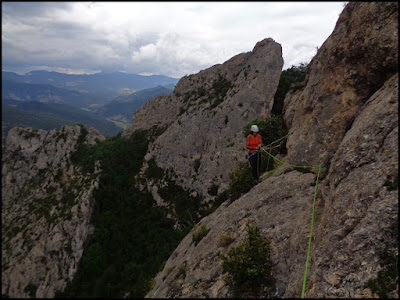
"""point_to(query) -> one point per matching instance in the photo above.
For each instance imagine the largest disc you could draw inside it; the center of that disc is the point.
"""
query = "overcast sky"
(166, 38)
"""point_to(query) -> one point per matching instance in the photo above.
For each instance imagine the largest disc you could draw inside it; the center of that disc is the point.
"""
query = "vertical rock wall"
(351, 65)
(204, 117)
(47, 204)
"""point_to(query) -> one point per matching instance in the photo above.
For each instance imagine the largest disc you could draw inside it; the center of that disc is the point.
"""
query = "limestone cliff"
(346, 117)
(202, 120)
(46, 207)
(350, 66)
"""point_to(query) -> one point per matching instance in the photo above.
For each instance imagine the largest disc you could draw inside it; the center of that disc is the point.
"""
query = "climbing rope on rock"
(319, 167)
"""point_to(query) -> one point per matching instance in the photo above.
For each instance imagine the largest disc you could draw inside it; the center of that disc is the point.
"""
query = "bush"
(248, 265)
(390, 184)
(295, 74)
(297, 86)
(199, 234)
(213, 190)
(241, 179)
(386, 281)
(221, 85)
(187, 209)
(225, 239)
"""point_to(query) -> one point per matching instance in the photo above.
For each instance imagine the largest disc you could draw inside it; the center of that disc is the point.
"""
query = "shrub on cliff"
(240, 179)
(290, 79)
(248, 265)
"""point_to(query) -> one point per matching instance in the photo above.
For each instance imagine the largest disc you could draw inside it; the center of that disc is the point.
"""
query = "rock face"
(270, 209)
(351, 65)
(358, 214)
(202, 120)
(346, 116)
(46, 208)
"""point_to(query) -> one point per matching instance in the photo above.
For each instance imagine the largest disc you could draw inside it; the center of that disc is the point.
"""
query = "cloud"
(169, 38)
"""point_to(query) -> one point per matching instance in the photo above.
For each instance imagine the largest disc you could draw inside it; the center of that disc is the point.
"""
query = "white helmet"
(254, 128)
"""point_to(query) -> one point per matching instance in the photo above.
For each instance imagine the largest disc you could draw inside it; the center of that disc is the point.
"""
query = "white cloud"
(169, 38)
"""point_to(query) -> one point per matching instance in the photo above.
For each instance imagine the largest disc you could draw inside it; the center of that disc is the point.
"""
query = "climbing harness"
(313, 207)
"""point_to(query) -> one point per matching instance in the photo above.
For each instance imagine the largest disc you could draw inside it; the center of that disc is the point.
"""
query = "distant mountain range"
(122, 108)
(50, 116)
(48, 100)
(45, 93)
(96, 88)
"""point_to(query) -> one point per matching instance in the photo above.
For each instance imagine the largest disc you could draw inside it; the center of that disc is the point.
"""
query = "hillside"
(202, 119)
(121, 108)
(44, 93)
(50, 116)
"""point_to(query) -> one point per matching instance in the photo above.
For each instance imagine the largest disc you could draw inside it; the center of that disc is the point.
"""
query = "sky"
(164, 38)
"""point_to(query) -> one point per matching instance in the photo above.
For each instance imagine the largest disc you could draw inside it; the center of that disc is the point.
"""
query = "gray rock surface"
(269, 208)
(351, 65)
(204, 116)
(47, 203)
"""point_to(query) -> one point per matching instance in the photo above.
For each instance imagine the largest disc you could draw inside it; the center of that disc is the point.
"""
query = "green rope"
(311, 230)
(268, 161)
(313, 208)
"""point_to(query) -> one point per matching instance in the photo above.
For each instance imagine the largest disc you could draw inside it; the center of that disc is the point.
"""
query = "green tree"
(289, 77)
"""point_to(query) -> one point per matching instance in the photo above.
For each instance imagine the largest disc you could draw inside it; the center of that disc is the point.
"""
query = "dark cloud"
(166, 38)
(30, 9)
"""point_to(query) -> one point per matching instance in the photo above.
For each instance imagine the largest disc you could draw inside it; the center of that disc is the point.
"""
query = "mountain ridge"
(34, 114)
(101, 86)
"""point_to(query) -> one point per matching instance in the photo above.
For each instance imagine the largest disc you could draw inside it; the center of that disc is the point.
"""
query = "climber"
(253, 144)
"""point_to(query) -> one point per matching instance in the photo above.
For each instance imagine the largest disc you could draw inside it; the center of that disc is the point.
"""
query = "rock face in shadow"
(202, 120)
(346, 117)
(47, 204)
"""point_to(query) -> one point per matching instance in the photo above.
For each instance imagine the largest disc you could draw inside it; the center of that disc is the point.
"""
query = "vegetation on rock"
(291, 78)
(199, 234)
(133, 236)
(241, 178)
(248, 265)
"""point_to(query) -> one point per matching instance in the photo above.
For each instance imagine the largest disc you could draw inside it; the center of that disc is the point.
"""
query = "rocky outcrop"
(346, 117)
(269, 208)
(358, 213)
(351, 65)
(47, 203)
(201, 122)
